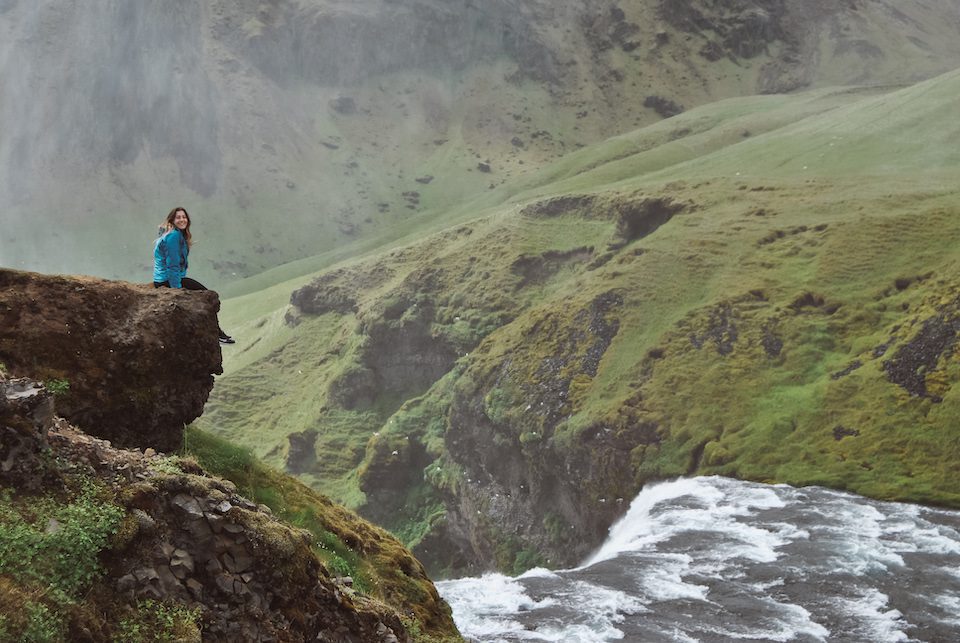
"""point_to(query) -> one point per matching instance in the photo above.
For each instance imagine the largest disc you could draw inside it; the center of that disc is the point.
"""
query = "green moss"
(160, 621)
(512, 556)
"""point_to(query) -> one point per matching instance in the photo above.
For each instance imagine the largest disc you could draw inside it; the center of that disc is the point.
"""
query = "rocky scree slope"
(352, 121)
(176, 549)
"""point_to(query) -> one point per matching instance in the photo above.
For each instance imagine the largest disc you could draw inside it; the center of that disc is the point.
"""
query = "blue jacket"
(170, 258)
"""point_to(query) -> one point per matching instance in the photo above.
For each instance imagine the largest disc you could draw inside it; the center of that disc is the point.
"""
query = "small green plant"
(42, 624)
(160, 621)
(49, 552)
(57, 545)
(169, 464)
(59, 387)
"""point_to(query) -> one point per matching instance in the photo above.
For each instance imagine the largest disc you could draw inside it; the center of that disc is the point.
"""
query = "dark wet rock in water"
(841, 562)
(130, 363)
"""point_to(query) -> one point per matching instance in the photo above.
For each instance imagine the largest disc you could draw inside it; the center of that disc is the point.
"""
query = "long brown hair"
(168, 224)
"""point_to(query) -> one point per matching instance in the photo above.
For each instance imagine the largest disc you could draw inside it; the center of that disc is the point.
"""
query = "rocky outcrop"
(345, 47)
(128, 363)
(26, 414)
(185, 539)
(514, 498)
(916, 359)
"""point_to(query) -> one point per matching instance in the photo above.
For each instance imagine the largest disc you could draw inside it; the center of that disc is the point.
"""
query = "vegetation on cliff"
(378, 565)
(98, 543)
(762, 288)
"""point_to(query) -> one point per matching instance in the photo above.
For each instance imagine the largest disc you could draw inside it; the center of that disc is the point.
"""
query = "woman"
(170, 257)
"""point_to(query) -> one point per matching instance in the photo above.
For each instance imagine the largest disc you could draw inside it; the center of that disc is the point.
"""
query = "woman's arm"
(170, 250)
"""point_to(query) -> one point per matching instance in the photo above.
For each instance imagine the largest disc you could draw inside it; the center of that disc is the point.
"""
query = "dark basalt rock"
(849, 368)
(721, 330)
(324, 295)
(189, 540)
(301, 455)
(772, 343)
(638, 219)
(537, 269)
(26, 415)
(909, 366)
(663, 106)
(579, 203)
(840, 432)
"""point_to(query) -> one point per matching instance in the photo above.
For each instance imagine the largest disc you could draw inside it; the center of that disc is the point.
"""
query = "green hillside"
(761, 287)
(299, 128)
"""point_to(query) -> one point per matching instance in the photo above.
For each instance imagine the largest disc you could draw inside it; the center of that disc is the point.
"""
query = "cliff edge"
(129, 363)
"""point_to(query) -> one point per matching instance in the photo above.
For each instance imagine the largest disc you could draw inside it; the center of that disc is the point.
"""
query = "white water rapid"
(714, 559)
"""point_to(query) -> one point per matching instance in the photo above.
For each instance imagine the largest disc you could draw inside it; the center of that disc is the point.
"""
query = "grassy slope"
(348, 545)
(846, 195)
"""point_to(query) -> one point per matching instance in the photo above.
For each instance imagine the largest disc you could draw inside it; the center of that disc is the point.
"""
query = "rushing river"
(714, 559)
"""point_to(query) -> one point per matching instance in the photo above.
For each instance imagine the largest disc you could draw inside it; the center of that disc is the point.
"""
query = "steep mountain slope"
(762, 287)
(294, 127)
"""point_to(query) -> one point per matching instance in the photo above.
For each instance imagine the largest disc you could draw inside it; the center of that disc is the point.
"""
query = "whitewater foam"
(717, 559)
(483, 606)
(875, 621)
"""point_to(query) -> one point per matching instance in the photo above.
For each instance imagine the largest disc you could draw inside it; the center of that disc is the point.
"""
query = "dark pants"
(188, 284)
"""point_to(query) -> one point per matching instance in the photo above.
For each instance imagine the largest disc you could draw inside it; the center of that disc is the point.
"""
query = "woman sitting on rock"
(170, 257)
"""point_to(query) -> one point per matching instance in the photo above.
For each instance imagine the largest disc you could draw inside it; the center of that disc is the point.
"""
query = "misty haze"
(620, 320)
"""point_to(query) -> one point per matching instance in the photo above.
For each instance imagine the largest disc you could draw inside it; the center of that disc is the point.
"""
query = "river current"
(713, 559)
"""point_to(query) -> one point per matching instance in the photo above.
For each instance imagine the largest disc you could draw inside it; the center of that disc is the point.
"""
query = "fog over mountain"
(292, 127)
